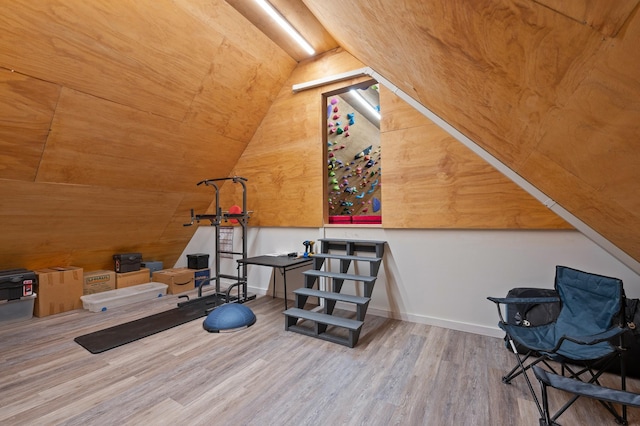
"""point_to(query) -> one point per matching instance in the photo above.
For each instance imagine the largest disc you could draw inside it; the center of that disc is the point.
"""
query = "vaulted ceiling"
(550, 88)
(111, 112)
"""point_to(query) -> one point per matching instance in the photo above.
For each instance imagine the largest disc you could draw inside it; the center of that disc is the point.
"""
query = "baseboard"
(437, 322)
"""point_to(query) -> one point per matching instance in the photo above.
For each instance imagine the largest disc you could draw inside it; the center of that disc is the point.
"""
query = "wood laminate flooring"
(399, 373)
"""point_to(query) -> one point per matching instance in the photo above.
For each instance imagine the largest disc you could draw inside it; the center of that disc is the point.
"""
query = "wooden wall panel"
(549, 96)
(589, 156)
(117, 110)
(433, 181)
(26, 111)
(284, 162)
(78, 221)
(148, 54)
(602, 15)
(235, 81)
(95, 142)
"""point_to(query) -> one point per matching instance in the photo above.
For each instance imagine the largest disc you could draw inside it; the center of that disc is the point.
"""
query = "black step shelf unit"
(217, 220)
(324, 324)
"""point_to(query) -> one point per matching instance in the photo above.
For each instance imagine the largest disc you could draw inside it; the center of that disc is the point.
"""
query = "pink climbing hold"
(334, 101)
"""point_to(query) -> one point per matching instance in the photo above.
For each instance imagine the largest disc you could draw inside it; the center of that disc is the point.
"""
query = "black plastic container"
(17, 283)
(198, 261)
(127, 262)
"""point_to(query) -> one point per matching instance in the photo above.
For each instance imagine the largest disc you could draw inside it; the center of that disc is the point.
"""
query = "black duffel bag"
(531, 314)
(630, 340)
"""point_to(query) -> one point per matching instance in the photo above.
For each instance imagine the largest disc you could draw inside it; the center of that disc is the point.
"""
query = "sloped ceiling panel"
(115, 110)
(545, 94)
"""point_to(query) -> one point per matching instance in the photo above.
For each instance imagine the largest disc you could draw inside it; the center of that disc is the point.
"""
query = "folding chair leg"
(523, 371)
(545, 420)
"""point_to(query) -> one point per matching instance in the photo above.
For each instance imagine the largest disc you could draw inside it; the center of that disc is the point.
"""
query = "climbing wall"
(353, 159)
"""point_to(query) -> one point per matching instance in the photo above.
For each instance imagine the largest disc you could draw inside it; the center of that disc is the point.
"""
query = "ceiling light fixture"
(365, 103)
(276, 16)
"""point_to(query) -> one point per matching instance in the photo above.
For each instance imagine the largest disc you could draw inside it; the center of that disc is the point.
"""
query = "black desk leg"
(274, 284)
(284, 281)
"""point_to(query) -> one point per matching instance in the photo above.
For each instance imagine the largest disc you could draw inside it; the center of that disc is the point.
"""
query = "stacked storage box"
(127, 262)
(100, 302)
(128, 279)
(59, 290)
(179, 280)
(152, 266)
(16, 294)
(99, 281)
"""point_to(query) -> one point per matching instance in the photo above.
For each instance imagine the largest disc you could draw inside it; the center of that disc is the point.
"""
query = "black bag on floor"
(630, 340)
(531, 314)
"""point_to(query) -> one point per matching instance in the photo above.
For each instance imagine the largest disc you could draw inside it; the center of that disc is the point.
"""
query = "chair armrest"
(519, 300)
(594, 338)
(523, 300)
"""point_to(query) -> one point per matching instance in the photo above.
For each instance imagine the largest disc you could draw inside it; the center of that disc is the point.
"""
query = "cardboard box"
(201, 275)
(127, 279)
(98, 281)
(59, 290)
(179, 280)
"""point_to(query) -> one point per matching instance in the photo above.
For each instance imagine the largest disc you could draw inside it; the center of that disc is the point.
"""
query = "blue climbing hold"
(376, 204)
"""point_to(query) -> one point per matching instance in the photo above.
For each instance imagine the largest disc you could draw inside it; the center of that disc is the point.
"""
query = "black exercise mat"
(109, 338)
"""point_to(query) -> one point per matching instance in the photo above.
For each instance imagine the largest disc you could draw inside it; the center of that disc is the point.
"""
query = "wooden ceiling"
(549, 88)
(110, 112)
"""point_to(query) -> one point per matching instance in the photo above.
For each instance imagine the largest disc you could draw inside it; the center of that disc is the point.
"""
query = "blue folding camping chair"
(585, 339)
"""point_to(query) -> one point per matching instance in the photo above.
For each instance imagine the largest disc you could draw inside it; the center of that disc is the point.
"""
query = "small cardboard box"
(99, 281)
(179, 280)
(127, 279)
(59, 290)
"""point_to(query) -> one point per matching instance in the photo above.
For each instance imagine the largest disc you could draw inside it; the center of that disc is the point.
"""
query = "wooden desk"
(281, 263)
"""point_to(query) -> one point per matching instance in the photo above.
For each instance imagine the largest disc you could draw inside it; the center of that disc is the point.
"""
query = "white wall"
(438, 277)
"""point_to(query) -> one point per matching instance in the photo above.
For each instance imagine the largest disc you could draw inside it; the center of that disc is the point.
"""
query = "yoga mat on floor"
(112, 337)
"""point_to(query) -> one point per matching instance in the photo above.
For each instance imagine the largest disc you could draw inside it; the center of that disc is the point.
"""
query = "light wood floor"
(399, 374)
